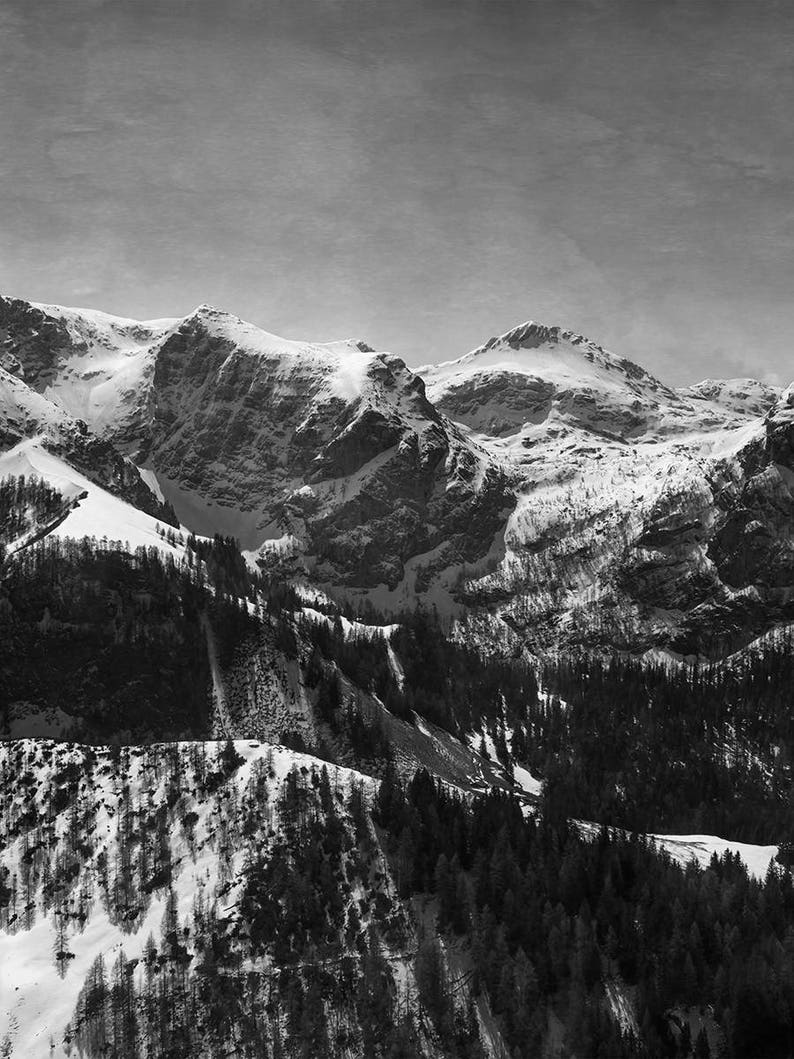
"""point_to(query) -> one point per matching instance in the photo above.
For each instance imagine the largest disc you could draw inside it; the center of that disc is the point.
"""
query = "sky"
(417, 174)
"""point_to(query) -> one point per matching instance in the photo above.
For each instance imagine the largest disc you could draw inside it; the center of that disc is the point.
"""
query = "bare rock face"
(500, 403)
(336, 445)
(754, 546)
(31, 342)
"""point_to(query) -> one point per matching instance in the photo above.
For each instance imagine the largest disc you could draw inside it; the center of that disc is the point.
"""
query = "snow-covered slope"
(38, 437)
(699, 849)
(92, 510)
(96, 367)
(75, 890)
(24, 412)
(139, 867)
(131, 877)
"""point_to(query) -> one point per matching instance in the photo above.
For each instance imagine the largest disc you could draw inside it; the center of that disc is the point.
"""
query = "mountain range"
(540, 482)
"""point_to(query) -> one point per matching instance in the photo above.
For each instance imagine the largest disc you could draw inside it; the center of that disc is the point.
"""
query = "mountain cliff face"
(536, 374)
(332, 450)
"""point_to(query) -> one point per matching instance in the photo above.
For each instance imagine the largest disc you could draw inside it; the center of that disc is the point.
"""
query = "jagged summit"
(535, 374)
(740, 396)
(253, 339)
(207, 309)
(532, 333)
(86, 329)
(553, 351)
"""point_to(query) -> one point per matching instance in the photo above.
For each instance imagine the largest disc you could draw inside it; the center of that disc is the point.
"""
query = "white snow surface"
(352, 630)
(23, 411)
(527, 782)
(110, 369)
(700, 848)
(98, 513)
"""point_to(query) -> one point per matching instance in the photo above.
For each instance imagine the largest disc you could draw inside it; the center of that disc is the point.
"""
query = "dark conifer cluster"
(554, 928)
(450, 683)
(27, 504)
(703, 749)
(115, 638)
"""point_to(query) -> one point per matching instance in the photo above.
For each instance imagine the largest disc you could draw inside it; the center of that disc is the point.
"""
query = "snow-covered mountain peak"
(537, 377)
(376, 476)
(530, 345)
(253, 339)
(206, 309)
(102, 325)
(532, 334)
(553, 352)
(106, 370)
(313, 373)
(747, 398)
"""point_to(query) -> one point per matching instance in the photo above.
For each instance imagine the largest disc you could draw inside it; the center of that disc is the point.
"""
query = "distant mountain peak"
(552, 353)
(531, 334)
(206, 309)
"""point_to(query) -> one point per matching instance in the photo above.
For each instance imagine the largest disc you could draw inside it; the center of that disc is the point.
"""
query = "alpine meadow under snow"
(350, 710)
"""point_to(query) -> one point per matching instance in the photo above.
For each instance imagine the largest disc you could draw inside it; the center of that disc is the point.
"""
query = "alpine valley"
(355, 711)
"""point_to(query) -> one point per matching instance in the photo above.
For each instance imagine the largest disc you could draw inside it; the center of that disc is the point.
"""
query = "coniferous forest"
(386, 919)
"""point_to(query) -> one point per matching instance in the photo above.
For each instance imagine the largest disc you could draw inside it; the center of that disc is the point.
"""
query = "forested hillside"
(240, 899)
(654, 747)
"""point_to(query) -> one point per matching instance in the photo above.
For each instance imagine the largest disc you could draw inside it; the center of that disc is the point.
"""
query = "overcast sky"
(415, 173)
